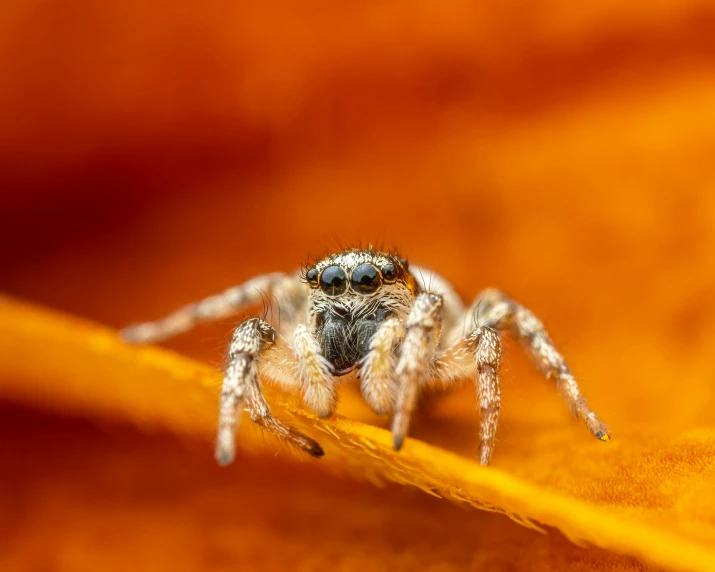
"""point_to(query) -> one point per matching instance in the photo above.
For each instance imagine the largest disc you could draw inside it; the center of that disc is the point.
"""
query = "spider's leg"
(288, 290)
(480, 350)
(453, 310)
(422, 331)
(493, 309)
(252, 339)
(377, 382)
(315, 373)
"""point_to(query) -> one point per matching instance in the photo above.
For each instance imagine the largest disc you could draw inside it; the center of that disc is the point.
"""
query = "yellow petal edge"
(68, 364)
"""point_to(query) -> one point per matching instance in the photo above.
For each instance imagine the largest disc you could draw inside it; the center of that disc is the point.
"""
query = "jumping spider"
(365, 310)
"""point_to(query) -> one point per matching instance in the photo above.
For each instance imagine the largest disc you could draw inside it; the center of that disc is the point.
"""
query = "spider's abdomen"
(345, 340)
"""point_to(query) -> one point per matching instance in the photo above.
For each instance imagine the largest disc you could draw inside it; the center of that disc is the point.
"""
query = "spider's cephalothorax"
(367, 311)
(351, 294)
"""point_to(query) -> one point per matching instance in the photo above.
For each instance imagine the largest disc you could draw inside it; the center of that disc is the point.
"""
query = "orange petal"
(71, 365)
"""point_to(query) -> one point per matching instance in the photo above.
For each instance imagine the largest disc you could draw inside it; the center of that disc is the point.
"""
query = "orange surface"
(159, 504)
(155, 152)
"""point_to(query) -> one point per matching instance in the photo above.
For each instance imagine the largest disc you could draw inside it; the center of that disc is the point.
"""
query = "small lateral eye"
(365, 279)
(389, 274)
(333, 281)
(404, 263)
(312, 277)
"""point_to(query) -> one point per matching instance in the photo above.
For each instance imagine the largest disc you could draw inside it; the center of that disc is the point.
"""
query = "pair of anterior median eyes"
(365, 279)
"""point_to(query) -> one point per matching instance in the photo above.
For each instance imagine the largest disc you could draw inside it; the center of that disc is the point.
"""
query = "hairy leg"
(480, 350)
(315, 373)
(422, 331)
(495, 310)
(376, 378)
(288, 291)
(241, 384)
(453, 309)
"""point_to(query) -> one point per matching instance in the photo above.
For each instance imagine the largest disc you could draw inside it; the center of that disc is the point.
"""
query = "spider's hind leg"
(493, 309)
(289, 292)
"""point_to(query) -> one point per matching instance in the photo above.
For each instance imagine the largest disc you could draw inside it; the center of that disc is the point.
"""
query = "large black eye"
(365, 279)
(333, 281)
(312, 277)
(389, 274)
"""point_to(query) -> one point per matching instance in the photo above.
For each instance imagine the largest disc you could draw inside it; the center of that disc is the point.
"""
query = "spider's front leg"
(422, 331)
(252, 339)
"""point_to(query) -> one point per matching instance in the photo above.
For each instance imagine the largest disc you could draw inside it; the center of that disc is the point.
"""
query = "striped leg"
(241, 384)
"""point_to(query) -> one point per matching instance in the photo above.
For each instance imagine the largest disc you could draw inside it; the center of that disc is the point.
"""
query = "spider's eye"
(312, 277)
(389, 273)
(333, 281)
(365, 279)
(404, 262)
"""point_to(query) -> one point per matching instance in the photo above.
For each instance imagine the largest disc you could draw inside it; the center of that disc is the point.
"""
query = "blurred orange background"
(152, 153)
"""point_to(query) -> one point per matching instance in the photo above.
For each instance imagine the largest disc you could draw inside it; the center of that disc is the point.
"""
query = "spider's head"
(351, 293)
(360, 274)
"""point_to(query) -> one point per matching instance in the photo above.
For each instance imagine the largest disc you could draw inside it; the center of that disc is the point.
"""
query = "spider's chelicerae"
(366, 312)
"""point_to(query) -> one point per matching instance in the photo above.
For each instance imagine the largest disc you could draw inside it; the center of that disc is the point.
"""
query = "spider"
(365, 311)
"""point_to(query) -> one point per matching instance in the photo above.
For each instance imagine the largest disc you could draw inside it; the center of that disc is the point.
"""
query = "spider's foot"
(305, 443)
(315, 450)
(224, 454)
(603, 436)
(397, 441)
(597, 427)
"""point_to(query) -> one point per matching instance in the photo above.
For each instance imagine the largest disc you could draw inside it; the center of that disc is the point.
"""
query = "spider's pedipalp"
(376, 369)
(317, 382)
